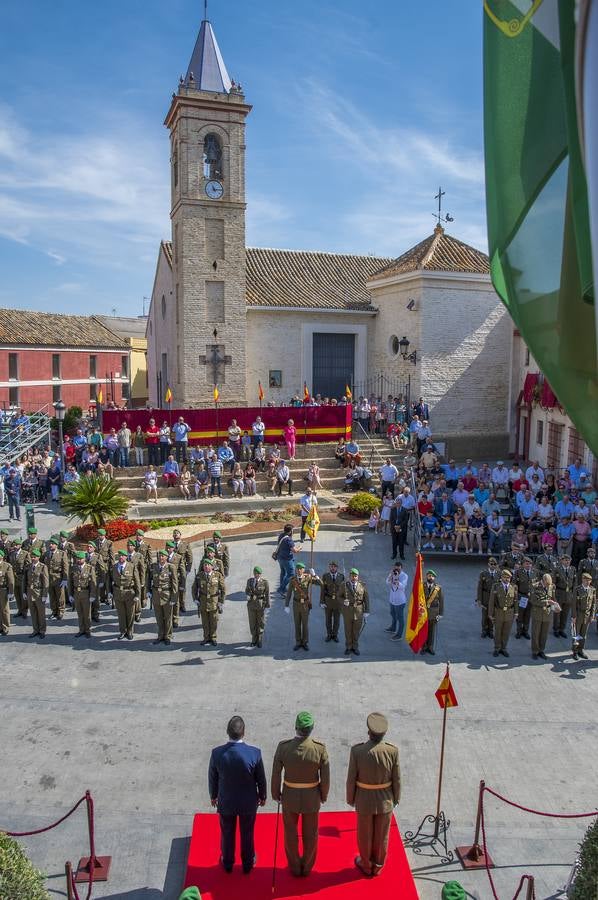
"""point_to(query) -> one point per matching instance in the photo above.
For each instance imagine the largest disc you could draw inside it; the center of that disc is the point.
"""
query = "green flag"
(538, 226)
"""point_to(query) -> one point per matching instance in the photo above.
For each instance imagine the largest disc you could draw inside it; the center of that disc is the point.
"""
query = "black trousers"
(228, 830)
(398, 541)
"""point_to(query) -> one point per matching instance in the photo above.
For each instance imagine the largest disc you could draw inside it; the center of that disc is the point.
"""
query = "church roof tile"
(26, 327)
(438, 253)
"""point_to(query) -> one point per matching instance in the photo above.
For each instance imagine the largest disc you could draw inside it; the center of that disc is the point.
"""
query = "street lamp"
(60, 413)
(404, 350)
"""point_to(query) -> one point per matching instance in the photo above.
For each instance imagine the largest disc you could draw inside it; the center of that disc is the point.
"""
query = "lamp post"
(60, 413)
(404, 344)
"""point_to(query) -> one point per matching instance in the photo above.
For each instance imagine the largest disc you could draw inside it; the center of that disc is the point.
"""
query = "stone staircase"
(170, 501)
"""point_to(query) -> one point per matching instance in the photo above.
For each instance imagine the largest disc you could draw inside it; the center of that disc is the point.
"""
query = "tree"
(18, 877)
(94, 498)
(586, 877)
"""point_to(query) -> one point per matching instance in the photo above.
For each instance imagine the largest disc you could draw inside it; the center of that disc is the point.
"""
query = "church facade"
(231, 316)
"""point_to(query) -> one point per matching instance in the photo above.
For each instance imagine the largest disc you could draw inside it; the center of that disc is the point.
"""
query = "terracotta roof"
(438, 253)
(307, 279)
(24, 326)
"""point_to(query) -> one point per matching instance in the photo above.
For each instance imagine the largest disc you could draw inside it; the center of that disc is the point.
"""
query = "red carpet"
(333, 877)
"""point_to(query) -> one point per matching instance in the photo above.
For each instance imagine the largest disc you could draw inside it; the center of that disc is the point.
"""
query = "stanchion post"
(472, 856)
(68, 871)
(530, 893)
(98, 867)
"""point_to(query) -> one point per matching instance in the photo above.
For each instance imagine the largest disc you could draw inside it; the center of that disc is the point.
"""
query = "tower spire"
(206, 70)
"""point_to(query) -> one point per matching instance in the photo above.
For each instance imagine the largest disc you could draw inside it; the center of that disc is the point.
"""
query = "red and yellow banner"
(208, 426)
(417, 614)
(445, 694)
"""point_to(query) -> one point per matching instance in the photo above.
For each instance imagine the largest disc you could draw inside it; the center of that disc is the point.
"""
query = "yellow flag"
(168, 395)
(100, 397)
(312, 523)
(216, 394)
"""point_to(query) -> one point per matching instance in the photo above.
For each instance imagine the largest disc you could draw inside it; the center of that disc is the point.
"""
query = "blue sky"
(360, 112)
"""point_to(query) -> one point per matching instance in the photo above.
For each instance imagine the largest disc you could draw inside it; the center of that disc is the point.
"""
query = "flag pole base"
(101, 869)
(473, 857)
(432, 838)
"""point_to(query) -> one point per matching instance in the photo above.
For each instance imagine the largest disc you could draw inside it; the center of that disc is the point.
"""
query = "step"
(174, 508)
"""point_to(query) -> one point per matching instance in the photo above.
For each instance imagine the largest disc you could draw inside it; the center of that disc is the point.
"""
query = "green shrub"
(18, 878)
(587, 873)
(95, 499)
(362, 504)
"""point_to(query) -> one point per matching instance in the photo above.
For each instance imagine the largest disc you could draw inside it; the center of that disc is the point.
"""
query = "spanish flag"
(312, 523)
(168, 395)
(348, 394)
(216, 393)
(417, 614)
(260, 391)
(305, 392)
(445, 694)
(100, 397)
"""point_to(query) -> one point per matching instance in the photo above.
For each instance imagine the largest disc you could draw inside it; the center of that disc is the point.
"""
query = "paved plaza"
(135, 724)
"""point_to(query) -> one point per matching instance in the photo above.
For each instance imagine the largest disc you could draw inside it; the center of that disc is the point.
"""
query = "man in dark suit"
(399, 523)
(237, 785)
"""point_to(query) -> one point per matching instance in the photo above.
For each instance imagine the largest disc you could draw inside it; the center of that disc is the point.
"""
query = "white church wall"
(395, 320)
(161, 330)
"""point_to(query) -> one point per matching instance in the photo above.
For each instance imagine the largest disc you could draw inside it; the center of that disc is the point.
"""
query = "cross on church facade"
(218, 359)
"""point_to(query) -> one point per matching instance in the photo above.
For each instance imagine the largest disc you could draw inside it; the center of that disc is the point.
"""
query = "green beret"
(3, 531)
(190, 893)
(209, 548)
(92, 544)
(258, 570)
(452, 890)
(80, 554)
(32, 530)
(36, 552)
(304, 720)
(333, 562)
(300, 565)
(207, 562)
(64, 534)
(101, 531)
(216, 534)
(163, 552)
(377, 723)
(17, 541)
(170, 544)
(140, 532)
(130, 542)
(431, 572)
(54, 539)
(354, 572)
(122, 552)
(2, 554)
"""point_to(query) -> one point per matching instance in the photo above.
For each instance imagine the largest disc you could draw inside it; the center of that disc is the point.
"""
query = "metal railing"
(16, 441)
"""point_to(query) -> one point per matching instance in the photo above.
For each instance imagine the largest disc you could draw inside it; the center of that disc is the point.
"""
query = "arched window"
(212, 157)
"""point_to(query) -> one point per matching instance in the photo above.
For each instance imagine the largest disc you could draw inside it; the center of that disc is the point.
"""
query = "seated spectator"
(393, 433)
(259, 457)
(185, 482)
(548, 539)
(226, 455)
(429, 525)
(339, 452)
(460, 495)
(246, 446)
(150, 483)
(476, 530)
(447, 531)
(500, 480)
(274, 452)
(461, 530)
(210, 453)
(588, 492)
(564, 508)
(469, 505)
(545, 513)
(516, 476)
(196, 456)
(283, 478)
(451, 474)
(444, 506)
(438, 486)
(353, 477)
(519, 541)
(534, 469)
(481, 493)
(170, 472)
(237, 481)
(576, 470)
(250, 484)
(536, 486)
(526, 510)
(496, 529)
(425, 505)
(352, 453)
(582, 508)
(71, 476)
(549, 488)
(470, 481)
(200, 485)
(564, 534)
(104, 466)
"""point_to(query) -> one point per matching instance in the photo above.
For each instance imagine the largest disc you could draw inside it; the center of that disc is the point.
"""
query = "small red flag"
(260, 391)
(445, 694)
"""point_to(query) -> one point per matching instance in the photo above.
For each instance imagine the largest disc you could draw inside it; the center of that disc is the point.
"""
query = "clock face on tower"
(214, 190)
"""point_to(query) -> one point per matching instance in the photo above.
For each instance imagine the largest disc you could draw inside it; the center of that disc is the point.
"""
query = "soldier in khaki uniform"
(32, 542)
(435, 603)
(209, 592)
(299, 590)
(547, 561)
(67, 546)
(83, 588)
(102, 577)
(138, 559)
(105, 551)
(146, 554)
(303, 789)
(4, 541)
(501, 611)
(524, 578)
(222, 551)
(184, 551)
(565, 576)
(374, 789)
(57, 562)
(332, 598)
(7, 592)
(542, 602)
(510, 559)
(19, 560)
(356, 610)
(176, 561)
(583, 610)
(258, 600)
(589, 564)
(210, 553)
(36, 584)
(126, 588)
(163, 593)
(486, 582)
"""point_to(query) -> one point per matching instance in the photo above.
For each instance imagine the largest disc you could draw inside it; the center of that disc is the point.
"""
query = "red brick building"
(45, 357)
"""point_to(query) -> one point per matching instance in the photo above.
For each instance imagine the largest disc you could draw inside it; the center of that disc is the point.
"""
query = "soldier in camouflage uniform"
(542, 600)
(209, 592)
(583, 610)
(332, 598)
(501, 611)
(565, 576)
(486, 582)
(36, 584)
(217, 564)
(138, 560)
(147, 556)
(546, 562)
(258, 600)
(19, 560)
(57, 563)
(510, 559)
(163, 593)
(524, 578)
(589, 564)
(105, 551)
(222, 552)
(299, 590)
(184, 551)
(102, 578)
(32, 542)
(66, 546)
(4, 541)
(356, 609)
(83, 587)
(7, 592)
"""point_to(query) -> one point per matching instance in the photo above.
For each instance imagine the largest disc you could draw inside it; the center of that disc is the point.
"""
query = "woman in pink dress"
(289, 433)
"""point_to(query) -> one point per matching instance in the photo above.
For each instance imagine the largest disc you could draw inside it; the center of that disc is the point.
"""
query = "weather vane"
(438, 216)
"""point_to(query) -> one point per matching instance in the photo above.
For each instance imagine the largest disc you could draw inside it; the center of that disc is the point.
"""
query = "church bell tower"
(206, 121)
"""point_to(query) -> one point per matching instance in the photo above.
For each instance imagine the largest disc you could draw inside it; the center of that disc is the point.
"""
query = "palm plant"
(95, 499)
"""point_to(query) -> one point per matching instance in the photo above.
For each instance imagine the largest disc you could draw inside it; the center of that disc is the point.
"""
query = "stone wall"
(161, 329)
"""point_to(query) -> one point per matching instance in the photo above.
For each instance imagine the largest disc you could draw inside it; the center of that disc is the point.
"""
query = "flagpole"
(441, 768)
(217, 428)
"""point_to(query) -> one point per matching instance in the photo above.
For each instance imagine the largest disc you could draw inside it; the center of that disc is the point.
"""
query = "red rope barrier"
(17, 834)
(536, 812)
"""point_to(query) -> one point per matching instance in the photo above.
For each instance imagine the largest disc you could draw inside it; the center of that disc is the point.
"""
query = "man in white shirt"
(307, 501)
(388, 476)
(500, 474)
(258, 428)
(397, 582)
(534, 469)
